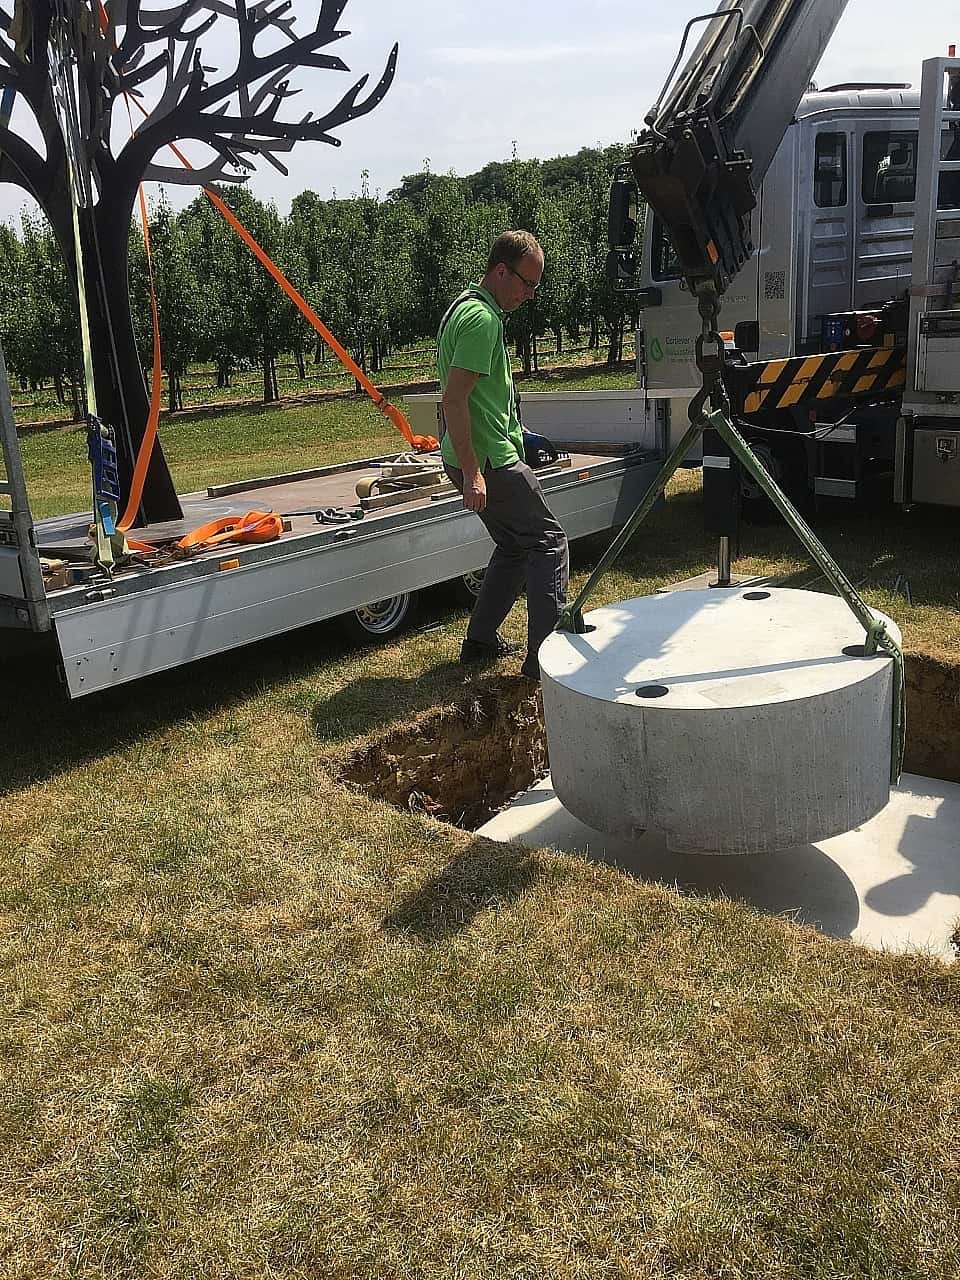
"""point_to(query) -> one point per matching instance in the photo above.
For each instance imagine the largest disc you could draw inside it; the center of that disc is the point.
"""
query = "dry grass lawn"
(253, 1024)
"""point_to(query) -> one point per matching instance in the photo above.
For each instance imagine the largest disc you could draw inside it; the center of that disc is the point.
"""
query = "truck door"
(886, 191)
(670, 327)
(827, 284)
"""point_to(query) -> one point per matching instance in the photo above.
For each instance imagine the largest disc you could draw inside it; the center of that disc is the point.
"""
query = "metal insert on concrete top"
(732, 721)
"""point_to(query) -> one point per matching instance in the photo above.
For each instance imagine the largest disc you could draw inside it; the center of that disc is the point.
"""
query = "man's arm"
(456, 416)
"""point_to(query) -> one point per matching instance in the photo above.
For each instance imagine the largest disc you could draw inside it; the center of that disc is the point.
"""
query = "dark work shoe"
(530, 668)
(475, 652)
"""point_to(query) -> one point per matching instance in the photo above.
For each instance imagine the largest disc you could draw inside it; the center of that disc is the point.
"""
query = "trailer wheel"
(466, 588)
(381, 619)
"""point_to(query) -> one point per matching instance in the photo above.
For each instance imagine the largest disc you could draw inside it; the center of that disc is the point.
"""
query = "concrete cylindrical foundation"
(733, 721)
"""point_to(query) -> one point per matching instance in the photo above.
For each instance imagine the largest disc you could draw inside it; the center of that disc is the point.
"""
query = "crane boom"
(712, 133)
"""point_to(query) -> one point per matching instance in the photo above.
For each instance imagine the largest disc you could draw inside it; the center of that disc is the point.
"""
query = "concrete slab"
(709, 577)
(892, 884)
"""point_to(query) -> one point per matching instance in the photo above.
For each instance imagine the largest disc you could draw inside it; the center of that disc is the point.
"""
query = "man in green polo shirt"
(482, 448)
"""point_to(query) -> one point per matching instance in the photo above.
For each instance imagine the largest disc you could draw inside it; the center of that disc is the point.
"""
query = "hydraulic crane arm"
(713, 132)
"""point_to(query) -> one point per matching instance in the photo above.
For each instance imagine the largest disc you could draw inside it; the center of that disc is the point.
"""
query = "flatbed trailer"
(150, 617)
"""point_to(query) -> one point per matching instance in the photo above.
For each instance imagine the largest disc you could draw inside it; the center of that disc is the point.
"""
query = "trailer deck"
(167, 611)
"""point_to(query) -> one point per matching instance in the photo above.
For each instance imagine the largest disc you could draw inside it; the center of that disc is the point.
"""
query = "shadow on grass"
(877, 546)
(375, 702)
(45, 734)
(487, 875)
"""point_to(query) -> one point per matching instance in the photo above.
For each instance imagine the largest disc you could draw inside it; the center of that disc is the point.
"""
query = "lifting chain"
(709, 361)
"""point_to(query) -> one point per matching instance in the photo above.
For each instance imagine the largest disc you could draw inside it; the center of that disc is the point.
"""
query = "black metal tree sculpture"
(93, 54)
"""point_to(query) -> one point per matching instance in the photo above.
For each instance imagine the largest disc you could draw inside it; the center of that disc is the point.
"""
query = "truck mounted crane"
(699, 165)
(710, 140)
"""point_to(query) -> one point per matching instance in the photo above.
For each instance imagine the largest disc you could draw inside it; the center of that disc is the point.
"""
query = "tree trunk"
(58, 388)
(615, 349)
(122, 400)
(301, 366)
(270, 392)
(525, 356)
(75, 397)
(558, 334)
(174, 390)
(594, 342)
(536, 354)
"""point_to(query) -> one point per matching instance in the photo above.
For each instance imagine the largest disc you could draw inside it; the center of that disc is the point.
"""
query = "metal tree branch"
(238, 122)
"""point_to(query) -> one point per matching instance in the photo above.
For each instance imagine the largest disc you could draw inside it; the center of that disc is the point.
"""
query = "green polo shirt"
(473, 339)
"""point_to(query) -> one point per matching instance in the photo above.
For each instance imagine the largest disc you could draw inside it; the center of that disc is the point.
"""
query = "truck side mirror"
(622, 212)
(746, 336)
(622, 268)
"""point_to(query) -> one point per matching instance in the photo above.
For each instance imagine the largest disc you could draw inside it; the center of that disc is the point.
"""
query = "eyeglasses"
(529, 283)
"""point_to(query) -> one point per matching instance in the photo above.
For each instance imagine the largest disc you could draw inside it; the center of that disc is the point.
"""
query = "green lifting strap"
(876, 634)
(111, 544)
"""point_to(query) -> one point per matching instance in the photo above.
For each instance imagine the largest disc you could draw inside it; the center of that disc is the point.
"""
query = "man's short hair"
(510, 247)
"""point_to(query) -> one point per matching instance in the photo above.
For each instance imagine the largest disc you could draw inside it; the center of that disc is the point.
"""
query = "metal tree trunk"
(122, 399)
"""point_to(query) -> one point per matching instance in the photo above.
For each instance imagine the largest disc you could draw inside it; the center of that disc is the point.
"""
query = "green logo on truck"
(656, 350)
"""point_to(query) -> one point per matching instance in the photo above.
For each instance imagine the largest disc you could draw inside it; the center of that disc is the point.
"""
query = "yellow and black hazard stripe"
(836, 375)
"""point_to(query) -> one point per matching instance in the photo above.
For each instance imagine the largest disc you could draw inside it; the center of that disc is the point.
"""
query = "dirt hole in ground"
(460, 763)
(463, 763)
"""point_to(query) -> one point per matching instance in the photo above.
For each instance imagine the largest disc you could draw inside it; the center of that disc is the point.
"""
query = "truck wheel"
(754, 503)
(466, 588)
(381, 619)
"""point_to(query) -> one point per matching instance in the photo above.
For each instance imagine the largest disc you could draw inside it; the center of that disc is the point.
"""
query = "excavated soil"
(463, 763)
(460, 763)
(933, 718)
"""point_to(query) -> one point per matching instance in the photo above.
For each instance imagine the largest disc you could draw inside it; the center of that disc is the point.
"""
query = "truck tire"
(787, 465)
(466, 588)
(381, 620)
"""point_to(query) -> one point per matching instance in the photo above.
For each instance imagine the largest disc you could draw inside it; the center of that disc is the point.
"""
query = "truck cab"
(833, 230)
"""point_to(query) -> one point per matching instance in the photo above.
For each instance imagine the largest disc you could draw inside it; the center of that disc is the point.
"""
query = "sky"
(546, 77)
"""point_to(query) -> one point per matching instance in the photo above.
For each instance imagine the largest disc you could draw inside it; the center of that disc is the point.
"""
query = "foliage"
(378, 272)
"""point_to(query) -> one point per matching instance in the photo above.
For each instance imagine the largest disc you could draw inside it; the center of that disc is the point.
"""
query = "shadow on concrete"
(929, 843)
(804, 884)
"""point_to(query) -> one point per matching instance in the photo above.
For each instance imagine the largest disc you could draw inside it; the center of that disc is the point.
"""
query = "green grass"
(199, 384)
(237, 444)
(255, 1025)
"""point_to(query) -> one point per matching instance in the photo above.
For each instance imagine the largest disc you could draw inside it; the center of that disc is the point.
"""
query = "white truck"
(849, 252)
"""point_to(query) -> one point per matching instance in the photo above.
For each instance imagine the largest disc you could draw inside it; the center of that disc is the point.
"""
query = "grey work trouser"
(531, 548)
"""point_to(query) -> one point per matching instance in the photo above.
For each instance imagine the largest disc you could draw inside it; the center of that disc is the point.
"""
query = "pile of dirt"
(933, 718)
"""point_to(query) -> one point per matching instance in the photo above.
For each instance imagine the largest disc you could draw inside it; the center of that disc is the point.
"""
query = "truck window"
(830, 171)
(948, 193)
(663, 259)
(889, 167)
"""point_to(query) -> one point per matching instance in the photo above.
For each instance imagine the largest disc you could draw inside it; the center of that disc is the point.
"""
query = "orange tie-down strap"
(255, 526)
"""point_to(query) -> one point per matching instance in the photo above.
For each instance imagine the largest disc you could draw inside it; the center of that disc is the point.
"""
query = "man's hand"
(474, 491)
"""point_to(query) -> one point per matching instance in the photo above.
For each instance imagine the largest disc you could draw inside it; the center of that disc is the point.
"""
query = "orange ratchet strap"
(255, 526)
(423, 444)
